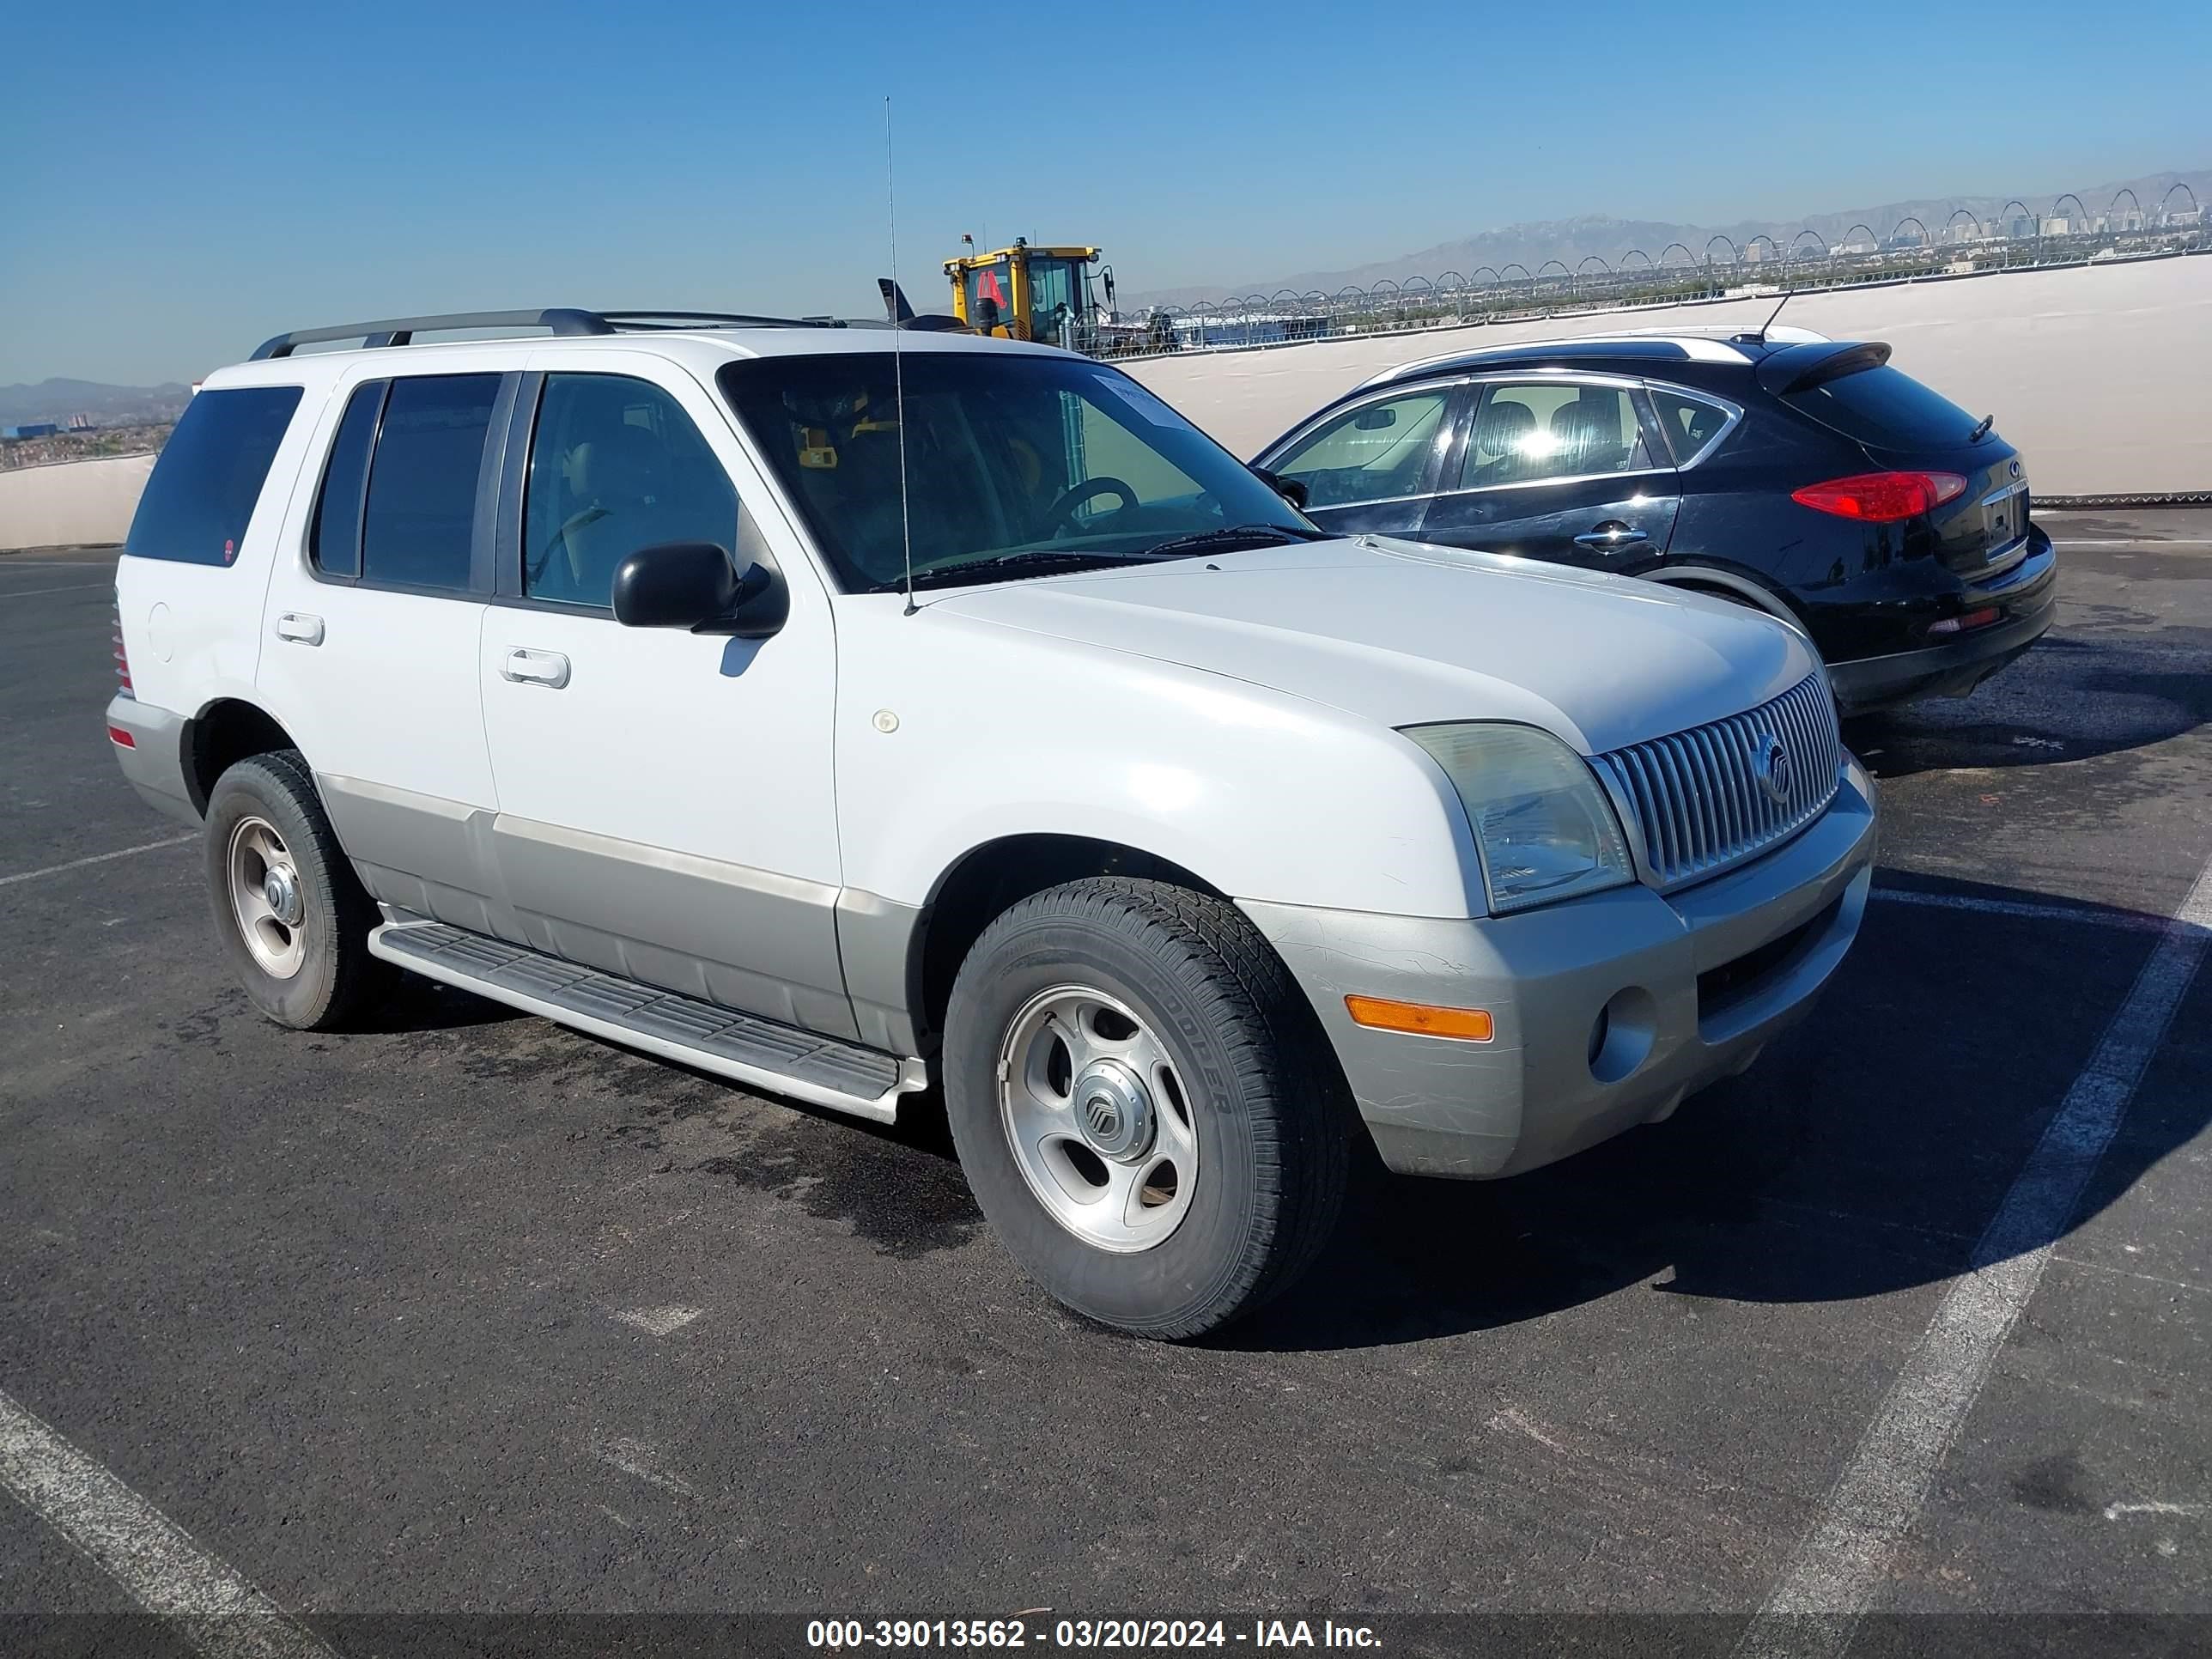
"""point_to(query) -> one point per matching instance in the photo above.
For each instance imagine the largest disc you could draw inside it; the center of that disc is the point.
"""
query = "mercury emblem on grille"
(1770, 765)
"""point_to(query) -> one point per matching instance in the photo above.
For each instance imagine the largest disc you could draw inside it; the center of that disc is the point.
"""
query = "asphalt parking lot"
(470, 1315)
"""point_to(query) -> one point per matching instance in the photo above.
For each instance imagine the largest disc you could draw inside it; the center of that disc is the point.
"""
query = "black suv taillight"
(1881, 497)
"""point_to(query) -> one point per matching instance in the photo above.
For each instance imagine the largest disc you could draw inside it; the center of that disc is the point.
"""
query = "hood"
(1401, 633)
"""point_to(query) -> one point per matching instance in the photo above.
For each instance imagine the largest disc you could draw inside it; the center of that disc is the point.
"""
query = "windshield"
(1017, 463)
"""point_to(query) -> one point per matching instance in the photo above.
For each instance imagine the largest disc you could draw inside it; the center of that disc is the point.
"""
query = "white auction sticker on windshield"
(1141, 400)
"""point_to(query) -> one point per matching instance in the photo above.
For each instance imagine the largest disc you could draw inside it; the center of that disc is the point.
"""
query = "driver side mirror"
(1292, 491)
(694, 585)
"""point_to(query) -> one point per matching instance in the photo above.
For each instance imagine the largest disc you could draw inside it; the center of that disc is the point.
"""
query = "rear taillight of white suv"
(122, 657)
(116, 734)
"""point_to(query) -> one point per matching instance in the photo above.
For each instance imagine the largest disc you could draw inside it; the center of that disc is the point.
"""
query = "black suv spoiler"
(1801, 368)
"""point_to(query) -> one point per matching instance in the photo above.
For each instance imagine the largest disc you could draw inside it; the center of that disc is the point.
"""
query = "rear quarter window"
(1886, 408)
(196, 505)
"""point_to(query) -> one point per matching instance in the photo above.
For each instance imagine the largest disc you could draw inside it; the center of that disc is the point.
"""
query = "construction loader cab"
(1024, 292)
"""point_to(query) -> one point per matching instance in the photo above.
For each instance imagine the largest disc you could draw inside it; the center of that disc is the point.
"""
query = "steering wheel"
(1058, 512)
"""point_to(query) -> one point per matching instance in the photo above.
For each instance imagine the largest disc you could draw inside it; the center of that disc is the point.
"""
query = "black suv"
(1800, 475)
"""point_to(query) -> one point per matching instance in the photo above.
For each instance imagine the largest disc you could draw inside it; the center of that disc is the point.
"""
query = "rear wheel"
(294, 918)
(1143, 1104)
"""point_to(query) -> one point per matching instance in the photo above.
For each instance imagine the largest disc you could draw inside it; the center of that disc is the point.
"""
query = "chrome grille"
(1696, 796)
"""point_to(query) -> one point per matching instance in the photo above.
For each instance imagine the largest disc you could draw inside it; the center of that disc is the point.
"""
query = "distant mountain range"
(1572, 240)
(108, 405)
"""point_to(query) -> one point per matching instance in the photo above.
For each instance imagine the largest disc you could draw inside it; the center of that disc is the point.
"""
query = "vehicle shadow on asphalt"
(415, 1004)
(2076, 695)
(1864, 1153)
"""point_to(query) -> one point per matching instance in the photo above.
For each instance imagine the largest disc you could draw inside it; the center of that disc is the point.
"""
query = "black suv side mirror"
(694, 585)
(1292, 491)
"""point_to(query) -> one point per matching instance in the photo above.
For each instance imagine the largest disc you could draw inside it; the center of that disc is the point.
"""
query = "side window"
(1691, 423)
(1369, 453)
(335, 542)
(418, 523)
(195, 506)
(1552, 430)
(615, 465)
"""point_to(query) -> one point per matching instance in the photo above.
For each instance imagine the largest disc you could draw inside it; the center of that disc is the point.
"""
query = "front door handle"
(300, 628)
(535, 668)
(1611, 535)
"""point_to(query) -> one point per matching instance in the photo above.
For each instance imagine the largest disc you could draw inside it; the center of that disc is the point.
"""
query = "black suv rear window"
(1887, 408)
(196, 505)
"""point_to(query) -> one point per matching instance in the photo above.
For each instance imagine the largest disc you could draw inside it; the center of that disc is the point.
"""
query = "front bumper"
(155, 761)
(1607, 1011)
(2026, 598)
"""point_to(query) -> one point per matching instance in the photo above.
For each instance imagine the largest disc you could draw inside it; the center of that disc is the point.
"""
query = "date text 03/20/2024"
(1083, 1633)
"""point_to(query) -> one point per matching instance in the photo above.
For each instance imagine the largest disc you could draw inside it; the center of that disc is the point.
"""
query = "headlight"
(1544, 826)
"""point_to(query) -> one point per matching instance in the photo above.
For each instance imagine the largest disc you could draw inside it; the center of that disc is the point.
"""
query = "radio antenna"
(1787, 295)
(898, 368)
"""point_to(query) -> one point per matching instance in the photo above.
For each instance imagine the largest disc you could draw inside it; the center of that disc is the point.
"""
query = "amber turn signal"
(1468, 1024)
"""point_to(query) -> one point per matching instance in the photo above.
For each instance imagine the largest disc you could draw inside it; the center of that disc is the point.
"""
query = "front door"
(664, 798)
(1558, 470)
(1372, 467)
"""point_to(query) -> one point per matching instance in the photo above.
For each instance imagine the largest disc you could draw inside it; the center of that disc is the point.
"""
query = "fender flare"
(1729, 584)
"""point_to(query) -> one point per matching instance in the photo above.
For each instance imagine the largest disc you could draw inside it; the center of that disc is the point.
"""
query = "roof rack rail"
(561, 320)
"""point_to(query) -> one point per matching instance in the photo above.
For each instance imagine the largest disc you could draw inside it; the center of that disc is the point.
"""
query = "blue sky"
(178, 181)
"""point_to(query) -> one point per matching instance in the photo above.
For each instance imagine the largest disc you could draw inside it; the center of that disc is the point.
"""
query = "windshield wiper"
(1029, 558)
(1248, 535)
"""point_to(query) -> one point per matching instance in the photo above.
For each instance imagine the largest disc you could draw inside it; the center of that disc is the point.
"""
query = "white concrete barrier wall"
(72, 501)
(2101, 375)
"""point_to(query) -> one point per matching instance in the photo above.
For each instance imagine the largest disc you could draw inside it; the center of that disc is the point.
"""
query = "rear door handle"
(535, 668)
(1611, 535)
(300, 628)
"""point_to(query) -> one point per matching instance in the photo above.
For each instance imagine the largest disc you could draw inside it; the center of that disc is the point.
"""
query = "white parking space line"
(96, 857)
(2128, 920)
(34, 592)
(1841, 1563)
(659, 1321)
(219, 1612)
(6, 563)
(2145, 542)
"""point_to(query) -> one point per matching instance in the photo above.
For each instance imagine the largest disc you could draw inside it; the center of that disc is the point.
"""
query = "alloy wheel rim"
(1099, 1119)
(267, 897)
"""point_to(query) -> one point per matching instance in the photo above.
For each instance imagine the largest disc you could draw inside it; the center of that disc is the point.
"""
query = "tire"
(1245, 1096)
(313, 972)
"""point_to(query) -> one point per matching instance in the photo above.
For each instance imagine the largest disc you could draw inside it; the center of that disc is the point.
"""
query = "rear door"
(370, 630)
(1373, 466)
(1559, 468)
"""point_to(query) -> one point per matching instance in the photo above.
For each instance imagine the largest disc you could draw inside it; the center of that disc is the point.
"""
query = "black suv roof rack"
(562, 319)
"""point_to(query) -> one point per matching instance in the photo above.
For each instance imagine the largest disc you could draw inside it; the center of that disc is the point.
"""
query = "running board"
(819, 1069)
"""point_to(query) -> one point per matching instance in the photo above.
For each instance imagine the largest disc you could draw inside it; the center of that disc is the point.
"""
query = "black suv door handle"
(1610, 535)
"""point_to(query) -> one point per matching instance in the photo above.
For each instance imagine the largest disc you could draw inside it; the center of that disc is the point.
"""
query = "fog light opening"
(1622, 1035)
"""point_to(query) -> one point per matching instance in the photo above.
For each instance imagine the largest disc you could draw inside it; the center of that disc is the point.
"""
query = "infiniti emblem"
(1771, 766)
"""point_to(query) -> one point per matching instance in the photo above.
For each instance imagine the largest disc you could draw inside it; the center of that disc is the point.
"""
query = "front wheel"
(1145, 1106)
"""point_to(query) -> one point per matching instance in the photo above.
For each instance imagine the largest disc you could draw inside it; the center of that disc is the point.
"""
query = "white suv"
(1174, 838)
